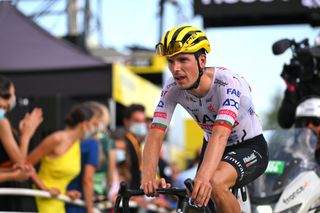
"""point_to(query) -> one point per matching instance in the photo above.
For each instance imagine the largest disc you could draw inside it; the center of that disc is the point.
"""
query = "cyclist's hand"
(150, 186)
(201, 191)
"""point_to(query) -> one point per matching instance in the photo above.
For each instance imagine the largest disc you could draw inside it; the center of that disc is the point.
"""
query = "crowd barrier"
(99, 207)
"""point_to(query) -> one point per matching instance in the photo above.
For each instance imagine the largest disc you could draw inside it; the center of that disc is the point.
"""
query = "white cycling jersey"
(228, 103)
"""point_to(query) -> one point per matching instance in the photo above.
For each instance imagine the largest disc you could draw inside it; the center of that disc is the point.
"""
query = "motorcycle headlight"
(264, 209)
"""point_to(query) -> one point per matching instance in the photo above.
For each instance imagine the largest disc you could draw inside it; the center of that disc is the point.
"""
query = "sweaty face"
(184, 69)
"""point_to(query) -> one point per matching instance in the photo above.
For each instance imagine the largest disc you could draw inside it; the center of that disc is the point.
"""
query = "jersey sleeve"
(166, 105)
(230, 96)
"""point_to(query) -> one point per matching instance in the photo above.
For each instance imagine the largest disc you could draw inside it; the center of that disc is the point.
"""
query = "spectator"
(106, 176)
(134, 120)
(16, 175)
(135, 123)
(14, 147)
(89, 160)
(59, 154)
(308, 115)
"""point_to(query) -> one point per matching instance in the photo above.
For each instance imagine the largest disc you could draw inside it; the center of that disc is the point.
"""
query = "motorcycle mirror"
(281, 46)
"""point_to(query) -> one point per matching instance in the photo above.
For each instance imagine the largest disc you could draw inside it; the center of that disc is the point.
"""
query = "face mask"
(89, 133)
(2, 114)
(101, 127)
(139, 129)
(120, 155)
(13, 103)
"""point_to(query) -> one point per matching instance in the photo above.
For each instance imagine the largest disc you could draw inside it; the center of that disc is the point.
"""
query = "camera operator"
(302, 79)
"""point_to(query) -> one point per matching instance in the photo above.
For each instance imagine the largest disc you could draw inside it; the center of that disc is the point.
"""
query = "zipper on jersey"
(200, 103)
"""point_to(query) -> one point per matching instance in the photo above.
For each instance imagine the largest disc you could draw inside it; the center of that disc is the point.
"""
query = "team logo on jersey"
(163, 93)
(232, 114)
(233, 92)
(231, 102)
(160, 104)
(220, 82)
(251, 111)
(160, 115)
(171, 85)
(208, 100)
(211, 108)
(249, 160)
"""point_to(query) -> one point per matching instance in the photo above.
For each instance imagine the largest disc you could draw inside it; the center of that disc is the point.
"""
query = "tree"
(270, 118)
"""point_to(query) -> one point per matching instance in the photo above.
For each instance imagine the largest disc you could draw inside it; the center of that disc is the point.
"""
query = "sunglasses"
(174, 47)
(305, 121)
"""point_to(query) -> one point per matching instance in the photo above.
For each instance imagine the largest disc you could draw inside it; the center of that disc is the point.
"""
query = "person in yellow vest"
(59, 154)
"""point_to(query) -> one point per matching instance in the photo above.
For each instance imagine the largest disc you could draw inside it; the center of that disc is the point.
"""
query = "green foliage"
(270, 118)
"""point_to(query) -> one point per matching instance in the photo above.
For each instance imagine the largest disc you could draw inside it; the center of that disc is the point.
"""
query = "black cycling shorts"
(249, 158)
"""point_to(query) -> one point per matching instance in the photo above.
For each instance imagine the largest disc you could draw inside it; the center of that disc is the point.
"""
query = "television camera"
(305, 62)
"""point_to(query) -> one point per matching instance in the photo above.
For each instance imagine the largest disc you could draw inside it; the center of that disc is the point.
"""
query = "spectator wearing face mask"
(134, 121)
(60, 156)
(96, 162)
(14, 147)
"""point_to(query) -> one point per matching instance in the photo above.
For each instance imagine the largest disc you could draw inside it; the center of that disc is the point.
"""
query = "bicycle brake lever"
(189, 184)
(117, 204)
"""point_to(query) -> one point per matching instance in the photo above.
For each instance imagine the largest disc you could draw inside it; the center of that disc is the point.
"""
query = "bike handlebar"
(125, 193)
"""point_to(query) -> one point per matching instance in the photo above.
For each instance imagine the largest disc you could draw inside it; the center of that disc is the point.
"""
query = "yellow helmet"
(182, 39)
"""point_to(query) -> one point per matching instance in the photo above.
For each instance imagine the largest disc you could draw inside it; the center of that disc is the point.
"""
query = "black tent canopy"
(42, 65)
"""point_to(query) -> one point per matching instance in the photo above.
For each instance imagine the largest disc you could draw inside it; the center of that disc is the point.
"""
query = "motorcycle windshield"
(290, 152)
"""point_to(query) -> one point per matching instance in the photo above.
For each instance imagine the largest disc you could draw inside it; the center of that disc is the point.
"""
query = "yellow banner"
(129, 88)
(147, 64)
(193, 137)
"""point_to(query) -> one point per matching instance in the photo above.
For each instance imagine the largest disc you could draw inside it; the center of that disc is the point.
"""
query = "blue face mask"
(138, 129)
(120, 155)
(2, 114)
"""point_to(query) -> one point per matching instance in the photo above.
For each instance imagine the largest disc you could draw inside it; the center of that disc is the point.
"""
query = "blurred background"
(60, 52)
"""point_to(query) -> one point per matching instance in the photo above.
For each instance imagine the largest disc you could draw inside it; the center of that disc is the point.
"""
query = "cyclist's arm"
(214, 151)
(151, 155)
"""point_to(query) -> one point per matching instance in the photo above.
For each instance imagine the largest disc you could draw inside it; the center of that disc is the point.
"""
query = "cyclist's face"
(184, 69)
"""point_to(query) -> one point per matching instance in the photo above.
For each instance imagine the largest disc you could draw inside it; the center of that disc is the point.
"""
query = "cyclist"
(234, 150)
(308, 115)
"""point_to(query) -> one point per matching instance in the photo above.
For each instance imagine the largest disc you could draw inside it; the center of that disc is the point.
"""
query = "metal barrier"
(45, 194)
(104, 205)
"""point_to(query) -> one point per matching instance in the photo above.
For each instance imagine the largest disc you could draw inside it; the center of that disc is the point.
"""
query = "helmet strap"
(196, 84)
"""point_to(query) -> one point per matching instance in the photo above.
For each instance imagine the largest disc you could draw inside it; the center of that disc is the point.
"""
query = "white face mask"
(89, 133)
(139, 129)
(101, 127)
(2, 114)
(120, 155)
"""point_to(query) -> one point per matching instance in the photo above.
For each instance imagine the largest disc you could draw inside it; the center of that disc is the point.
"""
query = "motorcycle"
(291, 181)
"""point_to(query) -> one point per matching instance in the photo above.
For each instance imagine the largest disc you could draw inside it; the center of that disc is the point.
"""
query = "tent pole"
(113, 112)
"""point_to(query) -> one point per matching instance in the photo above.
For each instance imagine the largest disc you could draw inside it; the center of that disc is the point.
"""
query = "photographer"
(301, 77)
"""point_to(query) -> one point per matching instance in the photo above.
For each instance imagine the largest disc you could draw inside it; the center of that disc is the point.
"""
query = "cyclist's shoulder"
(170, 86)
(225, 76)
